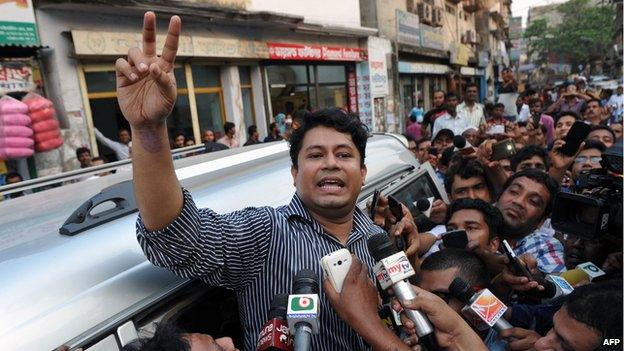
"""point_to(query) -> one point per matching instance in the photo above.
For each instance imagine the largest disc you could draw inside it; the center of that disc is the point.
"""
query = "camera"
(596, 210)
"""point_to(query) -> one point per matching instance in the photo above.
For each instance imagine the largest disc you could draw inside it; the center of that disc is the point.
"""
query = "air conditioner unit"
(470, 37)
(436, 17)
(425, 13)
(411, 6)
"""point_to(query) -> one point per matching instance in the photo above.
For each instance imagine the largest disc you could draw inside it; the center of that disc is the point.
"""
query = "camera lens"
(339, 263)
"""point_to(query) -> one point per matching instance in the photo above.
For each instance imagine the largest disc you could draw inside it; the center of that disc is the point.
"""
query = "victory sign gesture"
(146, 86)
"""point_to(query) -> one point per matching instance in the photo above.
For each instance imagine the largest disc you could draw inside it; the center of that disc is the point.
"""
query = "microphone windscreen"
(459, 141)
(279, 305)
(380, 247)
(306, 282)
(575, 276)
(423, 205)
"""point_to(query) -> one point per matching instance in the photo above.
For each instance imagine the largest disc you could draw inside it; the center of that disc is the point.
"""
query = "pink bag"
(15, 153)
(15, 119)
(43, 114)
(15, 131)
(11, 105)
(45, 136)
(49, 145)
(45, 126)
(36, 102)
(16, 142)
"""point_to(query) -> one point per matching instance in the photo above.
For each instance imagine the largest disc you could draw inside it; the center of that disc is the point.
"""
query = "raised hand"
(146, 86)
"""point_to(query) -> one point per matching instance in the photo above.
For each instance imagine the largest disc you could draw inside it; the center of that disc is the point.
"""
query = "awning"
(13, 51)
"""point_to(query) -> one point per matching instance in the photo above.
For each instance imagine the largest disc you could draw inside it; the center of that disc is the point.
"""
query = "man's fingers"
(138, 60)
(329, 290)
(149, 34)
(125, 71)
(160, 76)
(171, 43)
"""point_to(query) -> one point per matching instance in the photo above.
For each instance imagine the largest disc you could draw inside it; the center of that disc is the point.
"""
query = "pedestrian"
(253, 137)
(229, 139)
(472, 111)
(83, 155)
(121, 148)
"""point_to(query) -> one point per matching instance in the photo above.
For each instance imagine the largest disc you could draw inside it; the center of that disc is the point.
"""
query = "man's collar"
(297, 209)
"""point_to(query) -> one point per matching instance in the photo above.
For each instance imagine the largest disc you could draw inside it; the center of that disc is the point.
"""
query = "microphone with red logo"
(274, 335)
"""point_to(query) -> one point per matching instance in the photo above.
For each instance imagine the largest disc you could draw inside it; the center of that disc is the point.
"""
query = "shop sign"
(459, 54)
(352, 86)
(432, 37)
(15, 76)
(211, 47)
(117, 44)
(364, 94)
(282, 51)
(408, 30)
(17, 23)
(424, 68)
(378, 48)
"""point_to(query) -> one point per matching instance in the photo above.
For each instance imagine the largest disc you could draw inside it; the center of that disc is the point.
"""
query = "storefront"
(419, 81)
(311, 77)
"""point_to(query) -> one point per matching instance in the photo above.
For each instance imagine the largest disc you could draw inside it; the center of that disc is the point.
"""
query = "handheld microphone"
(422, 221)
(462, 145)
(482, 308)
(394, 268)
(274, 335)
(303, 309)
(591, 270)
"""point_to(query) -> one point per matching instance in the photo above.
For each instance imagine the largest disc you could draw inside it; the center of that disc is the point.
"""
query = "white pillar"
(233, 101)
(257, 91)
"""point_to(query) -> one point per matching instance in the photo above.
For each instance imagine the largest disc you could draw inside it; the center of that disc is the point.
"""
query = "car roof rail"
(83, 218)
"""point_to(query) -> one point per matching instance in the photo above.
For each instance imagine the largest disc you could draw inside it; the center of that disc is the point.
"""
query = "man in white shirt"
(617, 102)
(470, 108)
(451, 119)
(121, 148)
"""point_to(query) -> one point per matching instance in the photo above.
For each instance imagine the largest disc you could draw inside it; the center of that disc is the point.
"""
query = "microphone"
(422, 221)
(274, 335)
(393, 269)
(303, 309)
(591, 270)
(483, 309)
(462, 145)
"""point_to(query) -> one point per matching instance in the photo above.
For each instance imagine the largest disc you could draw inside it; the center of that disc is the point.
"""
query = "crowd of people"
(506, 247)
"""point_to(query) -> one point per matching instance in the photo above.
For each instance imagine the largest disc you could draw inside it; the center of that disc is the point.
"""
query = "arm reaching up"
(146, 92)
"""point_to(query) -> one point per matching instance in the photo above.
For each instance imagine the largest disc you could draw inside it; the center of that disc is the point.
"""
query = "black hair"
(14, 175)
(533, 101)
(227, 126)
(168, 337)
(447, 155)
(450, 96)
(334, 118)
(82, 150)
(594, 144)
(465, 169)
(470, 267)
(539, 177)
(498, 104)
(567, 113)
(492, 216)
(440, 91)
(273, 125)
(177, 134)
(251, 129)
(594, 100)
(526, 153)
(421, 140)
(471, 85)
(599, 127)
(599, 306)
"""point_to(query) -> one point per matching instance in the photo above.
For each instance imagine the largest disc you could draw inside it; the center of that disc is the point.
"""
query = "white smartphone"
(496, 129)
(336, 266)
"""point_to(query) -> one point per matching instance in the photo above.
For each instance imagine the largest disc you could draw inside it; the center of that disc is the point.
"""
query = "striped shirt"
(547, 250)
(257, 252)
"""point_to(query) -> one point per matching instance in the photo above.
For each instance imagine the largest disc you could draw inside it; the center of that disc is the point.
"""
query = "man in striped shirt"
(254, 251)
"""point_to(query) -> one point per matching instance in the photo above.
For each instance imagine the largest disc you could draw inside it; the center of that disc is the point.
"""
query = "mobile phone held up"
(457, 239)
(576, 135)
(503, 150)
(397, 211)
(518, 267)
(336, 266)
(374, 203)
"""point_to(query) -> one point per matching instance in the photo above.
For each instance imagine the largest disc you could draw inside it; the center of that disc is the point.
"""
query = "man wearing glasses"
(588, 158)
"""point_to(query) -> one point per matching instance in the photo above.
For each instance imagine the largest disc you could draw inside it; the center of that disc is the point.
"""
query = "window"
(106, 114)
(244, 73)
(209, 98)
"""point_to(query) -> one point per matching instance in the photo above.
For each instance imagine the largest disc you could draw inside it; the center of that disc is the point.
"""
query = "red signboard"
(281, 51)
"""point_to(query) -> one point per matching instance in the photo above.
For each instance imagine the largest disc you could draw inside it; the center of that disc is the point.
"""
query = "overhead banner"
(17, 23)
(378, 48)
(432, 37)
(459, 54)
(283, 51)
(408, 28)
